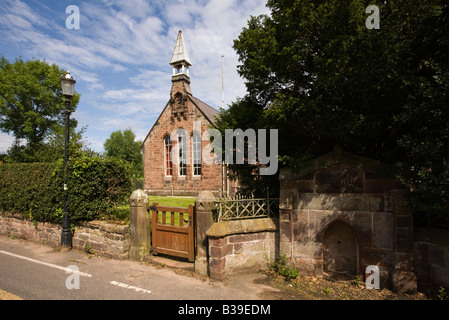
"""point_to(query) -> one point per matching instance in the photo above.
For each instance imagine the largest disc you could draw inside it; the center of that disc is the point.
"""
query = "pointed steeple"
(180, 60)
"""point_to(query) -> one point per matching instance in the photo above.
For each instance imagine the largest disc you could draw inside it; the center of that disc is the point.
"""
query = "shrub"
(26, 188)
(96, 187)
(281, 266)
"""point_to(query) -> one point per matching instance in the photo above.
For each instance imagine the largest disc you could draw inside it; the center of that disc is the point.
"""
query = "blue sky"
(119, 56)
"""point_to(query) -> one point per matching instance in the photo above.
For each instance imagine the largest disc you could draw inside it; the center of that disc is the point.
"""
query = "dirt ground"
(311, 288)
(276, 287)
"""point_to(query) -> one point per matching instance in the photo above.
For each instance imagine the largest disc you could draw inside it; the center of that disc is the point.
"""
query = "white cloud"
(138, 126)
(120, 54)
(21, 15)
(90, 78)
(182, 11)
(136, 8)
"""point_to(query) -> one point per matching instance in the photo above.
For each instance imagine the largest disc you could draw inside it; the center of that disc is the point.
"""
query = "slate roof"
(210, 113)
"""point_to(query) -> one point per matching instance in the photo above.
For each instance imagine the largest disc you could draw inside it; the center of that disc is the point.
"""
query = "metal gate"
(173, 231)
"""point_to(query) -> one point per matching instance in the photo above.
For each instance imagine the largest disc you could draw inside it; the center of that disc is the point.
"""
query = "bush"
(96, 187)
(26, 188)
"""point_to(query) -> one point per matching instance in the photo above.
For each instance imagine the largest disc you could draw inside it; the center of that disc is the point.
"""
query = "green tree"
(246, 114)
(53, 147)
(31, 104)
(121, 145)
(314, 71)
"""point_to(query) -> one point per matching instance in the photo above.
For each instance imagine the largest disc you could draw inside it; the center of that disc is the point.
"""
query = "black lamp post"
(68, 88)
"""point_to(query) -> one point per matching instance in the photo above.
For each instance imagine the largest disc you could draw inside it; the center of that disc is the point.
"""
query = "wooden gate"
(173, 231)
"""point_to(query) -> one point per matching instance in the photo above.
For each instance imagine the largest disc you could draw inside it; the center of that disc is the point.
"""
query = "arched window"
(196, 153)
(182, 149)
(167, 157)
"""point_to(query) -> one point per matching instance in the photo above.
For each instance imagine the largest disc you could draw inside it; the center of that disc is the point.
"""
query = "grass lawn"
(172, 202)
(121, 213)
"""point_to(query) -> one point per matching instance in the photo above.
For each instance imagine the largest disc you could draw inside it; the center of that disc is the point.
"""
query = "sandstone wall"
(241, 246)
(102, 238)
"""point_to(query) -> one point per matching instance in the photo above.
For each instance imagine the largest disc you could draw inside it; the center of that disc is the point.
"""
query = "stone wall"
(431, 266)
(15, 226)
(328, 234)
(342, 213)
(241, 246)
(104, 239)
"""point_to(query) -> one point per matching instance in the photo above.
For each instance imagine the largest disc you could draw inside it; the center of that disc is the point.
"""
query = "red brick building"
(172, 150)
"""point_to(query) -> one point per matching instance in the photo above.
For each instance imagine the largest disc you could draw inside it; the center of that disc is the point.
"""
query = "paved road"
(33, 271)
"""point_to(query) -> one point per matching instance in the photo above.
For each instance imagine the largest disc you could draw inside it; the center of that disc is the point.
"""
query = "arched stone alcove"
(340, 249)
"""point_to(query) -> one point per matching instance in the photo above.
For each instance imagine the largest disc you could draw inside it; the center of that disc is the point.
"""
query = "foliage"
(121, 145)
(314, 71)
(245, 114)
(281, 266)
(442, 294)
(53, 148)
(96, 188)
(31, 105)
(26, 188)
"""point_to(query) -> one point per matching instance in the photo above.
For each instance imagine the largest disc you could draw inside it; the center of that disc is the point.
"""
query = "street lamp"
(68, 88)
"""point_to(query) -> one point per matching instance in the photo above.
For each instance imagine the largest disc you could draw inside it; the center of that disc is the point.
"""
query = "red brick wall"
(155, 181)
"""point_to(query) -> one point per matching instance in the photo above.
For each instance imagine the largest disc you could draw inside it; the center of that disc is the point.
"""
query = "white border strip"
(127, 286)
(67, 270)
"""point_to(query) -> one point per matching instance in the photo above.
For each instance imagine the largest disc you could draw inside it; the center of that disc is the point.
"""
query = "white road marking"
(67, 270)
(71, 270)
(124, 285)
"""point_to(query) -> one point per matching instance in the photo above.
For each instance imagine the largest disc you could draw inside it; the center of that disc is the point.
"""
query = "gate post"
(204, 207)
(139, 226)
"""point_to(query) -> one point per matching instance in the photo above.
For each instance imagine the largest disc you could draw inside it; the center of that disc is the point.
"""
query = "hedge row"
(96, 186)
(26, 188)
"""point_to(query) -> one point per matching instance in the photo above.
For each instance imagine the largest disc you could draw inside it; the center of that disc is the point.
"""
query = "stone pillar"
(139, 227)
(241, 246)
(204, 207)
(287, 203)
(403, 276)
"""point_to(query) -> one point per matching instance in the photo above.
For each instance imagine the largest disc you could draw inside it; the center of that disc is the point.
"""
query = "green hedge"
(26, 188)
(96, 187)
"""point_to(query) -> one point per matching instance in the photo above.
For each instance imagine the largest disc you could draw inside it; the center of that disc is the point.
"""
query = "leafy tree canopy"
(315, 72)
(31, 105)
(121, 145)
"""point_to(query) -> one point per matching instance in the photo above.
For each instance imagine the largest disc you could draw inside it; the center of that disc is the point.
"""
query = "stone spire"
(180, 89)
(180, 60)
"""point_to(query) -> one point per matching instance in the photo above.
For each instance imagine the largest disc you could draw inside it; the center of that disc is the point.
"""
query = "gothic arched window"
(196, 153)
(182, 153)
(167, 157)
